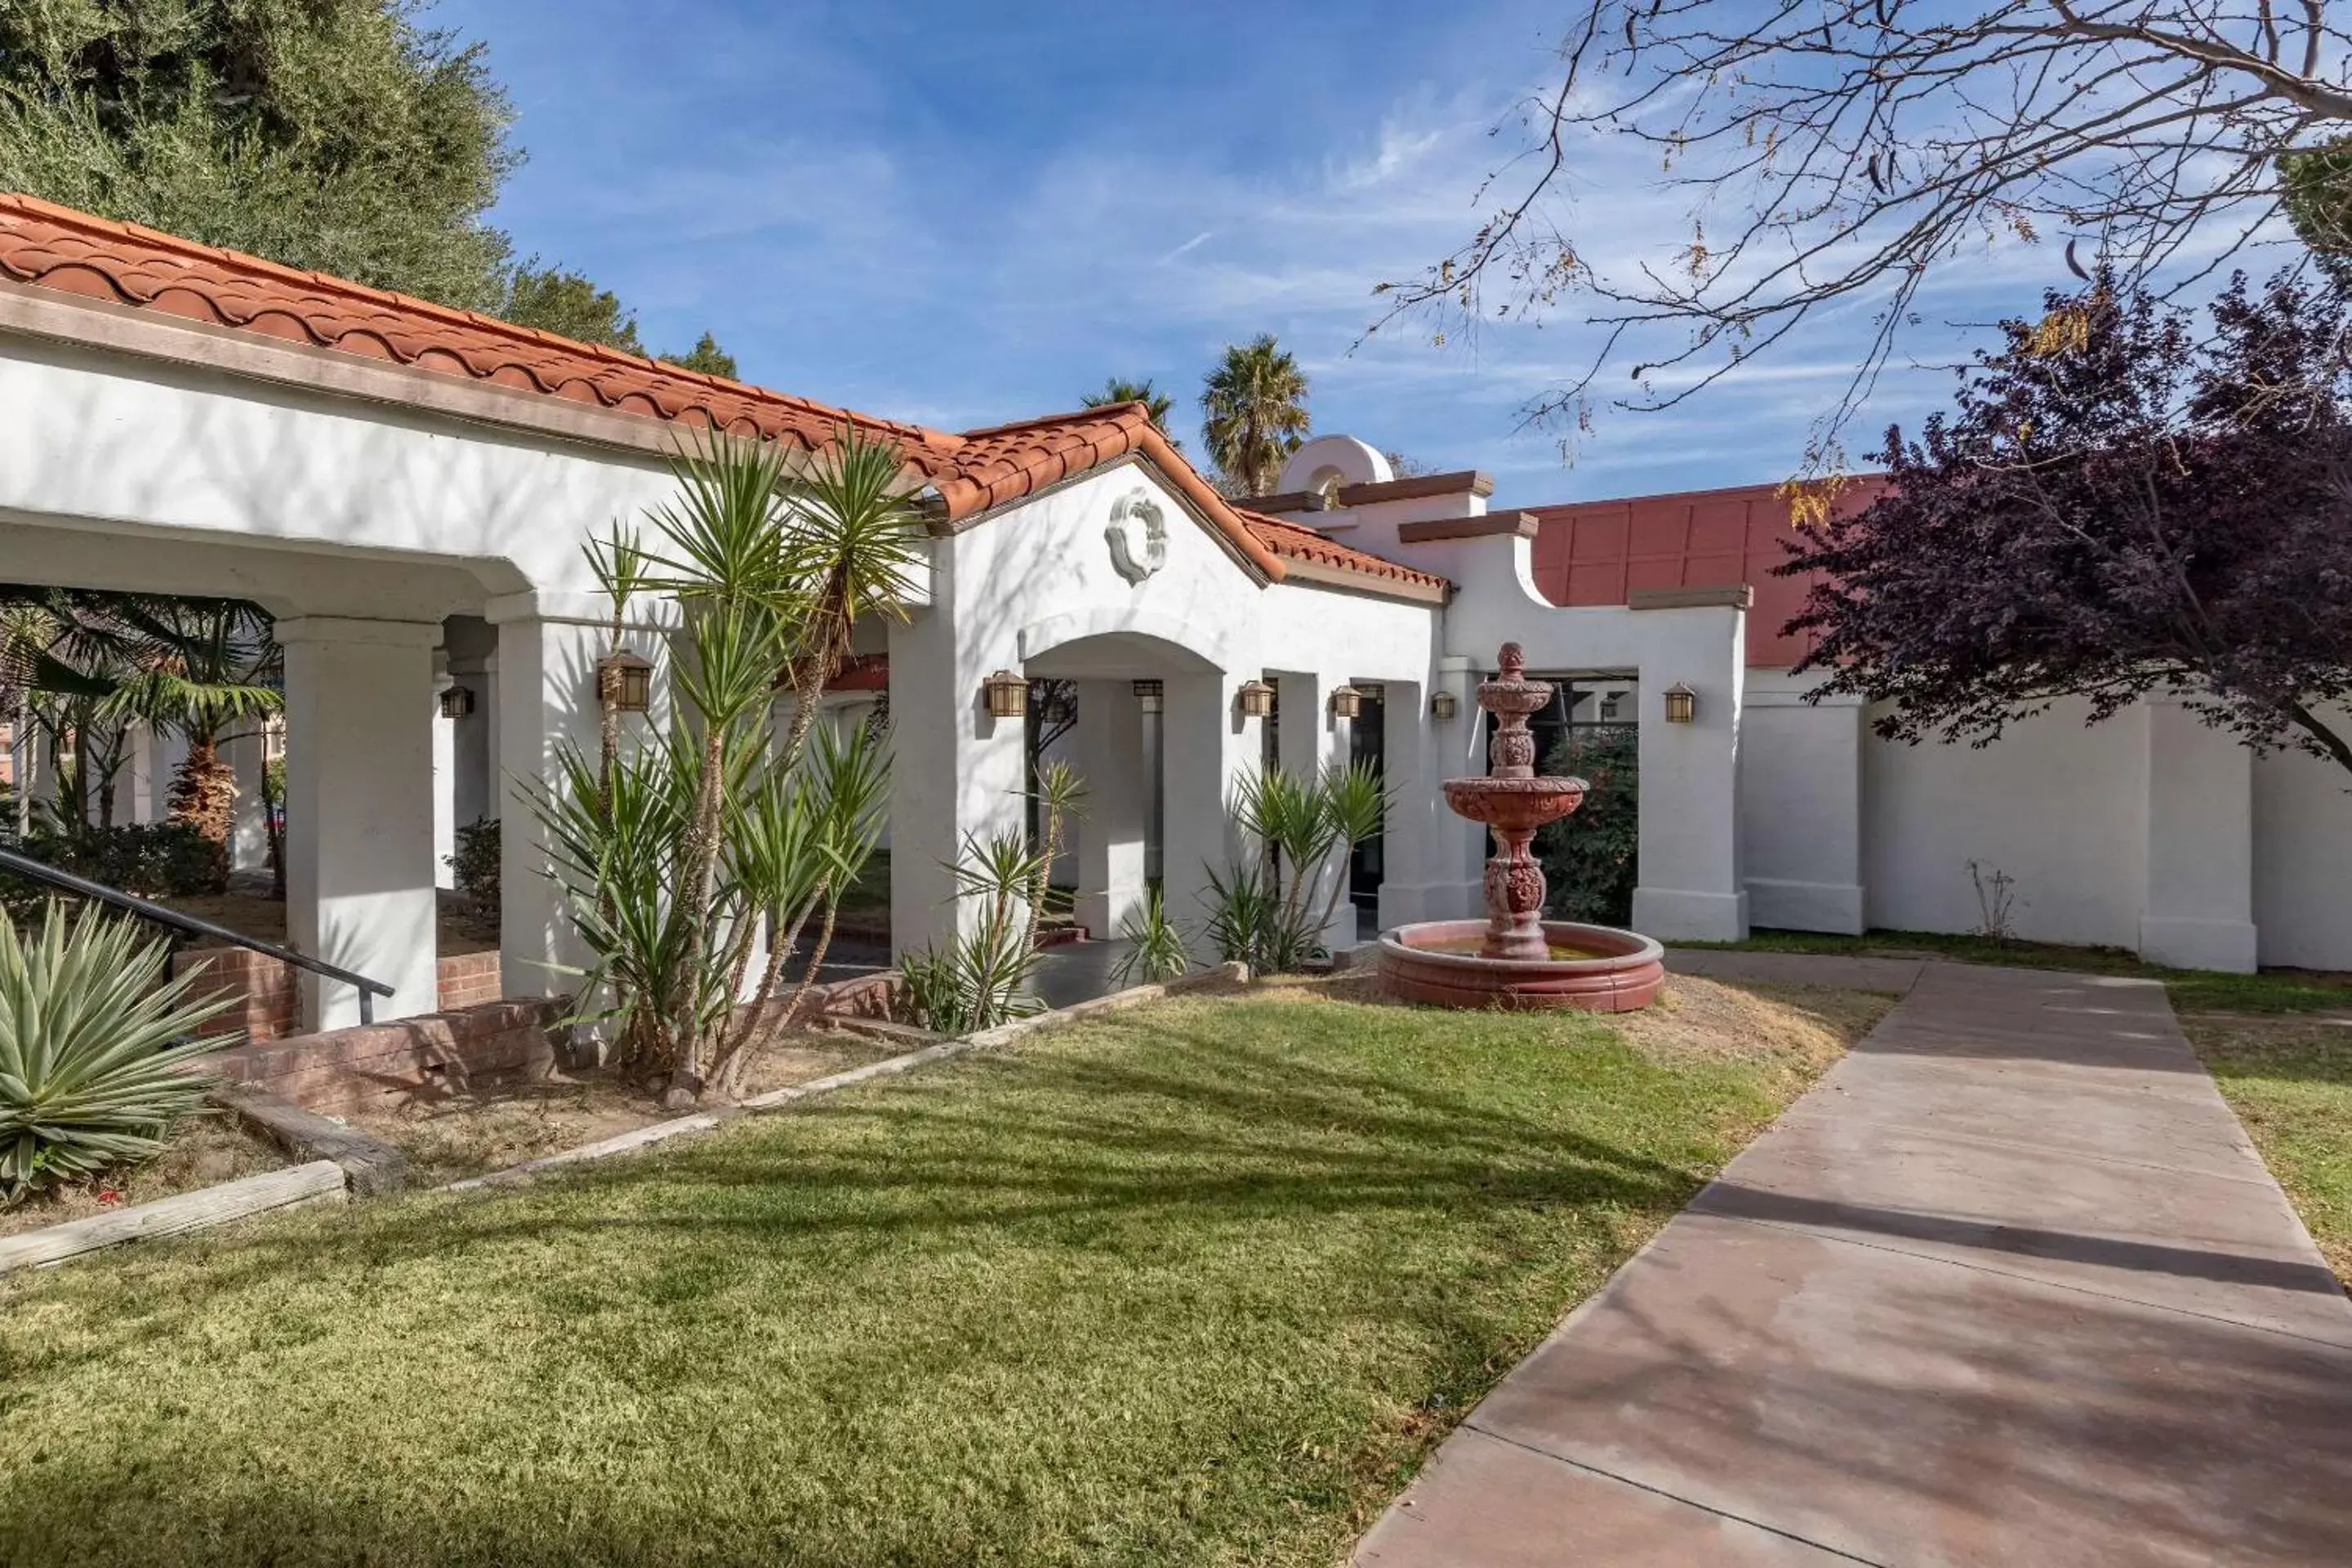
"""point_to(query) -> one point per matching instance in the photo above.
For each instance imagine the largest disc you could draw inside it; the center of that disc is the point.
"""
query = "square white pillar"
(955, 771)
(548, 645)
(2199, 912)
(248, 837)
(358, 787)
(1113, 835)
(1314, 740)
(1691, 884)
(1207, 746)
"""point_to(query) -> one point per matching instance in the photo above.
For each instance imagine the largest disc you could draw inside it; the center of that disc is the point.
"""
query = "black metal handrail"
(41, 871)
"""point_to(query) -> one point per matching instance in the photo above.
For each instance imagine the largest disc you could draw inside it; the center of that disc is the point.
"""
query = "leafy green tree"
(706, 358)
(340, 135)
(2318, 196)
(554, 299)
(1158, 403)
(1591, 858)
(1255, 408)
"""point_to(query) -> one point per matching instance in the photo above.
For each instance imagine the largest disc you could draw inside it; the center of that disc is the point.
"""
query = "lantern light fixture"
(1150, 693)
(1682, 704)
(1347, 702)
(624, 678)
(458, 703)
(1257, 700)
(1443, 705)
(1007, 694)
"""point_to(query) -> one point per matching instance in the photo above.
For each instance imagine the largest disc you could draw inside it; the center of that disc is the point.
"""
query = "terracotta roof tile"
(57, 248)
(1298, 543)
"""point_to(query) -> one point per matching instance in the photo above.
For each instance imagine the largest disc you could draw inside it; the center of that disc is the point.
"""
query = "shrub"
(476, 864)
(1592, 856)
(89, 1076)
(150, 860)
(1306, 828)
(1156, 947)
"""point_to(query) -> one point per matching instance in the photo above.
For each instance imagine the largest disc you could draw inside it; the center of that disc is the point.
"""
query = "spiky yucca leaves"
(1155, 945)
(981, 978)
(88, 1075)
(795, 843)
(1273, 919)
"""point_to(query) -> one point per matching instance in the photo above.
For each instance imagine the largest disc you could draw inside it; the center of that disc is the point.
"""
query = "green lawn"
(2192, 990)
(2290, 1081)
(1198, 1284)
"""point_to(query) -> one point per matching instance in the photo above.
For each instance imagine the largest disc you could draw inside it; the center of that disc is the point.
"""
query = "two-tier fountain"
(1515, 958)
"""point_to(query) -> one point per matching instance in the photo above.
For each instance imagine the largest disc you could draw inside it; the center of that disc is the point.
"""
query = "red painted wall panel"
(1596, 552)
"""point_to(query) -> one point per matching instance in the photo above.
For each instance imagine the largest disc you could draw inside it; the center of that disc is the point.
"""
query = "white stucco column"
(1435, 860)
(549, 644)
(248, 838)
(1207, 745)
(445, 783)
(1314, 740)
(359, 788)
(1112, 835)
(1691, 885)
(2199, 912)
(954, 771)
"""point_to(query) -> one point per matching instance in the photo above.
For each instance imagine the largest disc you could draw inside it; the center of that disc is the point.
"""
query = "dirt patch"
(209, 1148)
(1694, 1016)
(467, 1135)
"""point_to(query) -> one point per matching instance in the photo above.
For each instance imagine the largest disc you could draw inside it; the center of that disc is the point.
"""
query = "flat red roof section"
(1599, 551)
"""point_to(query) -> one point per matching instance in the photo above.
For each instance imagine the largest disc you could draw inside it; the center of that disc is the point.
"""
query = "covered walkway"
(2009, 1287)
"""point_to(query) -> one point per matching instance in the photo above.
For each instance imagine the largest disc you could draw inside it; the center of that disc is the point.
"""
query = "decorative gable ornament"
(1133, 514)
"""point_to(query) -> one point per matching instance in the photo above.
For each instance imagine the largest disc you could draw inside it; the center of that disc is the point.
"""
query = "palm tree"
(1155, 402)
(1254, 404)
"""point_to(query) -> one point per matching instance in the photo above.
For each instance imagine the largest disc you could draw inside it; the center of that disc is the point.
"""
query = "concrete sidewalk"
(2009, 1287)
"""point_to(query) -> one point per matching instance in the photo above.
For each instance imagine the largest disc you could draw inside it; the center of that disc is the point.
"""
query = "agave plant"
(89, 1073)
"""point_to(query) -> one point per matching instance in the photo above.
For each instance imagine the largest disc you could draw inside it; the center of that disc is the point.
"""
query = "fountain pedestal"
(1517, 958)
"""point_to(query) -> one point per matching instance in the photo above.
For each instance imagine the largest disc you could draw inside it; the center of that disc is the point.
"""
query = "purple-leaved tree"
(2120, 505)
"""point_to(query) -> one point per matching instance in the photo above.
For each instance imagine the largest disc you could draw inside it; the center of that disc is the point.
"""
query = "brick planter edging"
(267, 998)
(434, 1055)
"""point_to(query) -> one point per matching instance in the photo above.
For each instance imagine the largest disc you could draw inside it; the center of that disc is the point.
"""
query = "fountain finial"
(1514, 660)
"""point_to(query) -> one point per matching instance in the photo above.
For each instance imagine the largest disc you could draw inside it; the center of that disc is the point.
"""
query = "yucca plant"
(981, 978)
(1155, 945)
(89, 1073)
(1273, 917)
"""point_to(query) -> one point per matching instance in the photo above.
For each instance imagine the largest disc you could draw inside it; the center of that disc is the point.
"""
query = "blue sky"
(965, 213)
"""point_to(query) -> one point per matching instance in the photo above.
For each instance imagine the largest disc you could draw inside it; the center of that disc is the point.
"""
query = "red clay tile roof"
(59, 248)
(1298, 543)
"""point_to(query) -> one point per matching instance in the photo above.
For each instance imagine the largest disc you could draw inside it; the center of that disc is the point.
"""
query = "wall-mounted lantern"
(1150, 694)
(1007, 694)
(458, 703)
(1443, 705)
(1682, 704)
(1347, 702)
(625, 680)
(1256, 699)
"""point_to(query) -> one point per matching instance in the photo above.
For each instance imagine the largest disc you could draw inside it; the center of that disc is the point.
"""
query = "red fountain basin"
(1514, 805)
(1438, 963)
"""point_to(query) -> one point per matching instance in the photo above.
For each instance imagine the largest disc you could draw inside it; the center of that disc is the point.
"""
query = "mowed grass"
(1198, 1284)
(2290, 1081)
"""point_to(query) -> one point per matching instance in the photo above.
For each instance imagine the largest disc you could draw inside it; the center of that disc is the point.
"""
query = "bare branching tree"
(1836, 152)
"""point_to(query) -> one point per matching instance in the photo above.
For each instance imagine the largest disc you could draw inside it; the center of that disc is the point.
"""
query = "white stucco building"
(407, 488)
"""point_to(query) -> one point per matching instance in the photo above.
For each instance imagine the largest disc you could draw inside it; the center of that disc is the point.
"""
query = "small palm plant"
(89, 1073)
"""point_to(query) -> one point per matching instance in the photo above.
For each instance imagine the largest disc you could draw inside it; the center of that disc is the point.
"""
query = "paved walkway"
(2010, 1287)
